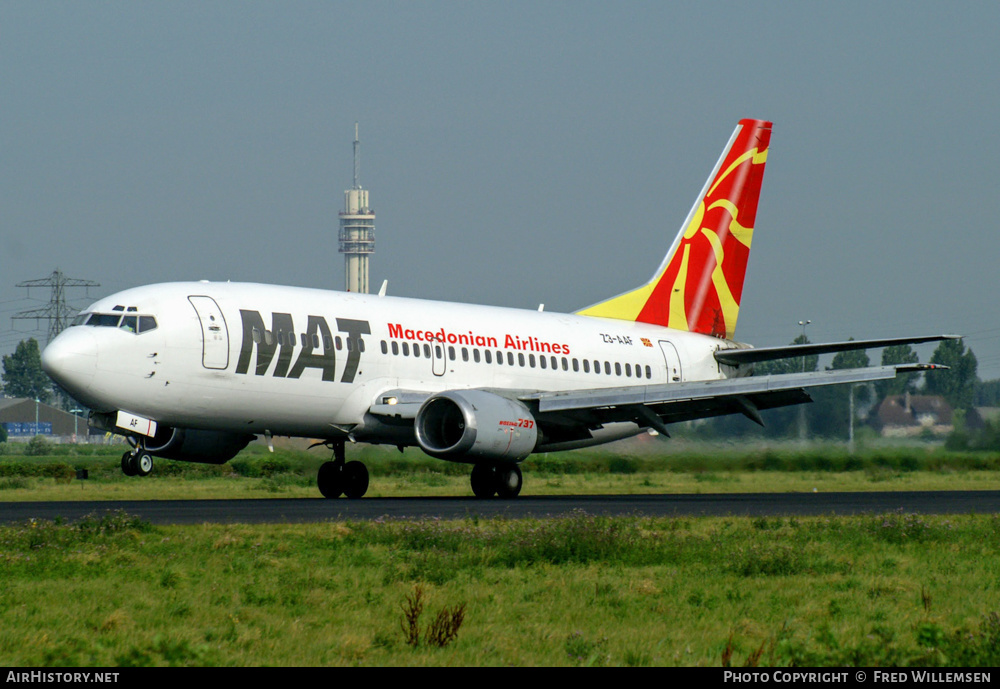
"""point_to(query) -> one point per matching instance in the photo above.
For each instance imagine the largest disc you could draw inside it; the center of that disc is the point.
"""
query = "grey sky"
(516, 153)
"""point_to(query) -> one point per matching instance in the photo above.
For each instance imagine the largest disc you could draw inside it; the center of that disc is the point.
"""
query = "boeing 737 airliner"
(195, 371)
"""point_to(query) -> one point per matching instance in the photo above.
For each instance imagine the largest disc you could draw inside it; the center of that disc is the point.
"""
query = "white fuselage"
(253, 358)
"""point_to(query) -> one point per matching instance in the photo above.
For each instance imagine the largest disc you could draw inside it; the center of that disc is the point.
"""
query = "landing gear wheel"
(508, 480)
(127, 467)
(330, 479)
(355, 479)
(484, 483)
(143, 463)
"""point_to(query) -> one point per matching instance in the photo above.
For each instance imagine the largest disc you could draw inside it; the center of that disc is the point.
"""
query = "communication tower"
(357, 230)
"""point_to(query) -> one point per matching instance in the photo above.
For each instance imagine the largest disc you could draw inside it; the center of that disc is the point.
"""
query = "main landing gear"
(137, 462)
(338, 477)
(503, 480)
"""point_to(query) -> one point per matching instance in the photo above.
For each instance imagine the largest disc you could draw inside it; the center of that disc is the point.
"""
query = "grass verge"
(893, 589)
(636, 468)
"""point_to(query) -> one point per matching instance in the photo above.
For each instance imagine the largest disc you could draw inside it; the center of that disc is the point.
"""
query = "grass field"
(894, 589)
(876, 590)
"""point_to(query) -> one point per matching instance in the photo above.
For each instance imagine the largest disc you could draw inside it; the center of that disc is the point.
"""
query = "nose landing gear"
(137, 462)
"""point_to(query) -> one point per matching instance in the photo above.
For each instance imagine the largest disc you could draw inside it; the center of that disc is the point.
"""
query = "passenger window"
(489, 356)
(338, 342)
(628, 370)
(451, 352)
(315, 340)
(541, 362)
(385, 347)
(531, 360)
(649, 373)
(520, 359)
(554, 364)
(465, 354)
(395, 348)
(586, 365)
(576, 365)
(475, 355)
(416, 350)
(510, 359)
(427, 351)
(607, 368)
(438, 351)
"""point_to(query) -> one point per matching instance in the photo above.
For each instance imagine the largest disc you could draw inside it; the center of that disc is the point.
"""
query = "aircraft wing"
(750, 355)
(657, 405)
(571, 414)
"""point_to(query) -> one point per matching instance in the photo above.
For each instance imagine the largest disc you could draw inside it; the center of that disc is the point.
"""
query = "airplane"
(194, 371)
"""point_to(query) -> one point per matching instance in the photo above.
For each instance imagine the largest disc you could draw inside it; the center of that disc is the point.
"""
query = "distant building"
(909, 415)
(23, 419)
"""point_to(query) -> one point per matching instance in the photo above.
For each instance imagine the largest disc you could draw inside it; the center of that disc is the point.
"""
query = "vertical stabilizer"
(699, 285)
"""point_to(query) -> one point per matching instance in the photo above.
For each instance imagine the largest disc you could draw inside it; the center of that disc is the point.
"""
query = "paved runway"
(259, 511)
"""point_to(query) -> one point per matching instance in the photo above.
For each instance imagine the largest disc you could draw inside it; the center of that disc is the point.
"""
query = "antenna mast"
(357, 157)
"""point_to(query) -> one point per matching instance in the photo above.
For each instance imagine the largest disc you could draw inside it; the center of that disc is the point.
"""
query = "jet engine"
(189, 445)
(473, 425)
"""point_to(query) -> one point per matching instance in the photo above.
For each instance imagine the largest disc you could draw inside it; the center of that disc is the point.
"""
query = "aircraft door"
(673, 359)
(439, 358)
(214, 332)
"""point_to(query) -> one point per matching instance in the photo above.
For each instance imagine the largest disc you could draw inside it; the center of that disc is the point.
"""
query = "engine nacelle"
(190, 445)
(473, 425)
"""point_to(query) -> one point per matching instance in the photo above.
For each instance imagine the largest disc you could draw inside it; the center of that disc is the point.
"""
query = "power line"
(58, 312)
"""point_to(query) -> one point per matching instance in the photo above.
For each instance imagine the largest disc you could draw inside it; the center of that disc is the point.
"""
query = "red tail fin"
(699, 285)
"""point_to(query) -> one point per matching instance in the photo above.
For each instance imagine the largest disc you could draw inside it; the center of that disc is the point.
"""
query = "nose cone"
(71, 361)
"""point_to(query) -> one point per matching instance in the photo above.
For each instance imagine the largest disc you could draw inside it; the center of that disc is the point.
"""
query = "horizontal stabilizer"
(735, 357)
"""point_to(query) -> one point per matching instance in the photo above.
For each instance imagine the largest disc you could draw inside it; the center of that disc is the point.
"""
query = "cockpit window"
(104, 320)
(129, 322)
(80, 319)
